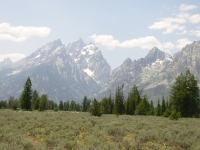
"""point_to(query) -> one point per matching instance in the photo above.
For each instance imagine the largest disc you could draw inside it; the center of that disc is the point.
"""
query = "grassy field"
(69, 130)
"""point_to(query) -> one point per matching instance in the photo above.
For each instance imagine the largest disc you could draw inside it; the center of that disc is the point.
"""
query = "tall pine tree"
(35, 100)
(184, 95)
(95, 108)
(163, 107)
(26, 95)
(119, 100)
(85, 104)
(61, 105)
(43, 103)
(133, 100)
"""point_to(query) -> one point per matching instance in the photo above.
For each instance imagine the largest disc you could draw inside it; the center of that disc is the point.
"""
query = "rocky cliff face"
(52, 71)
(90, 59)
(79, 69)
(156, 72)
(7, 61)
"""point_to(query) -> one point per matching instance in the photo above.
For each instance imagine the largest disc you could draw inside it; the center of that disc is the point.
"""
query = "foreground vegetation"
(69, 130)
(39, 123)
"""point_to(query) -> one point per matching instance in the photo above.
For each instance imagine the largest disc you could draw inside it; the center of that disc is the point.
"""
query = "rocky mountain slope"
(79, 69)
(90, 59)
(156, 72)
(52, 71)
(7, 61)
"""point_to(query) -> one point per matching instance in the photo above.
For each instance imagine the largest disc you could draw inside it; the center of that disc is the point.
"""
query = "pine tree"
(143, 107)
(73, 106)
(35, 100)
(151, 108)
(78, 107)
(105, 105)
(133, 100)
(26, 95)
(67, 106)
(50, 105)
(15, 104)
(119, 100)
(130, 105)
(61, 106)
(43, 103)
(85, 104)
(10, 101)
(111, 104)
(163, 107)
(184, 95)
(158, 109)
(95, 108)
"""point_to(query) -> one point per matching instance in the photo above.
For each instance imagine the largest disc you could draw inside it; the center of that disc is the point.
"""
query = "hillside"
(79, 69)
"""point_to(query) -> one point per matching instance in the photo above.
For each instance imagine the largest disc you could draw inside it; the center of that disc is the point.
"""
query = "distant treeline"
(183, 101)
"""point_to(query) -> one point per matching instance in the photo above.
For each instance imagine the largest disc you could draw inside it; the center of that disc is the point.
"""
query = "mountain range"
(79, 69)
(7, 61)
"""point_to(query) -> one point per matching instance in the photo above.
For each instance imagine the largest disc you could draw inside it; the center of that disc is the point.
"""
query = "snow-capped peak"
(156, 54)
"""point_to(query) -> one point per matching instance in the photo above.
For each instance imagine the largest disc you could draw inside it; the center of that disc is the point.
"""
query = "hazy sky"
(120, 28)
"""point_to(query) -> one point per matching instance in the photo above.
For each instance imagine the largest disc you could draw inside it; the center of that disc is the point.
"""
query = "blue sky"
(121, 29)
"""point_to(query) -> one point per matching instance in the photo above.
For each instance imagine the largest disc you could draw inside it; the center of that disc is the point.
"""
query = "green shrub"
(56, 109)
(167, 113)
(175, 115)
(95, 109)
(15, 104)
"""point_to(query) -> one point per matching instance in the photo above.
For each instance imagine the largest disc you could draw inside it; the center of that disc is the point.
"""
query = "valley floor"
(69, 130)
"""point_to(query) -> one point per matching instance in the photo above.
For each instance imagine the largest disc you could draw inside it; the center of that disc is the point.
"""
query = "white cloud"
(182, 43)
(147, 42)
(172, 24)
(183, 32)
(194, 18)
(184, 7)
(169, 24)
(183, 15)
(105, 40)
(14, 57)
(21, 33)
(195, 32)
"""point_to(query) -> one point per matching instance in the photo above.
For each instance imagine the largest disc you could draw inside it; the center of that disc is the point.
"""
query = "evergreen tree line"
(41, 103)
(29, 100)
(69, 106)
(184, 101)
(135, 104)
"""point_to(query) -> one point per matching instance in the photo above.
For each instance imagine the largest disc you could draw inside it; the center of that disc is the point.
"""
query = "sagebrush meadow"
(69, 130)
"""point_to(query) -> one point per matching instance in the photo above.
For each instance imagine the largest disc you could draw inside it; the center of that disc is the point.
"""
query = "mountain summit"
(156, 54)
(79, 69)
(5, 62)
(63, 73)
(90, 59)
(156, 72)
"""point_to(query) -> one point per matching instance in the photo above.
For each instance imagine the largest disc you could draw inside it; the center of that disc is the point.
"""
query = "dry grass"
(68, 130)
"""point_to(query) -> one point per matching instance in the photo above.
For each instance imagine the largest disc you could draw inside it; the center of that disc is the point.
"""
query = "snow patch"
(89, 72)
(59, 62)
(76, 60)
(158, 61)
(90, 52)
(37, 56)
(83, 52)
(90, 49)
(14, 72)
(57, 50)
